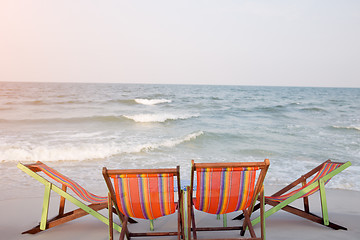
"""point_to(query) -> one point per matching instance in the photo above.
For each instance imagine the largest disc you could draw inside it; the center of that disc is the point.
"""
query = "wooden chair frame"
(247, 224)
(112, 202)
(62, 217)
(284, 205)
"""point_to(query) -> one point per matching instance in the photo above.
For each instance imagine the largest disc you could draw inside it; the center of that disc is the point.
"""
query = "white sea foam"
(67, 152)
(147, 118)
(151, 101)
(82, 151)
(171, 142)
(350, 127)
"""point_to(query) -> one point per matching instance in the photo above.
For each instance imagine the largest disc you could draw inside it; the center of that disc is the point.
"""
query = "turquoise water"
(78, 128)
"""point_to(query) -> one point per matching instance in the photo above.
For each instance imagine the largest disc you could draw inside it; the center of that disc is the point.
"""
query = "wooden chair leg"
(180, 216)
(193, 223)
(190, 213)
(248, 224)
(179, 227)
(62, 202)
(262, 213)
(305, 199)
(124, 231)
(182, 212)
(111, 230)
(324, 210)
(45, 210)
(244, 226)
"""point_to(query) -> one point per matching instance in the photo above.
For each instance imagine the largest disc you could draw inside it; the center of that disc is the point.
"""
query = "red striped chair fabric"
(225, 190)
(326, 168)
(74, 186)
(146, 196)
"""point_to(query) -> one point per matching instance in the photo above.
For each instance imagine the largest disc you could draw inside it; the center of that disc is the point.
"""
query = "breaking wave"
(151, 101)
(347, 128)
(171, 142)
(83, 151)
(147, 118)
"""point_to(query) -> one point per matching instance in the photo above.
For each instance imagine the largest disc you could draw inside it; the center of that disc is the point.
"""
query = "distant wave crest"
(314, 109)
(347, 128)
(151, 101)
(147, 118)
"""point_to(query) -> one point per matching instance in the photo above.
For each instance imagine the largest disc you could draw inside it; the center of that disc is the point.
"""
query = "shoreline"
(18, 214)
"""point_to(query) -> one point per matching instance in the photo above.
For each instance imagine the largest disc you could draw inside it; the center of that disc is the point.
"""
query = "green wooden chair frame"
(320, 183)
(62, 217)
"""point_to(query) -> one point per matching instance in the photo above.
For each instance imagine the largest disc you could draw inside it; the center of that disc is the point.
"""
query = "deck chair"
(281, 199)
(224, 188)
(145, 194)
(96, 202)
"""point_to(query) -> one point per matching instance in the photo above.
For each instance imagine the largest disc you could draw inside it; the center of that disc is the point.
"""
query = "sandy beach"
(19, 214)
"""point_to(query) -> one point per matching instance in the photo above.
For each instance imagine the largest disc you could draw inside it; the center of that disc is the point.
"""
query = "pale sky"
(273, 43)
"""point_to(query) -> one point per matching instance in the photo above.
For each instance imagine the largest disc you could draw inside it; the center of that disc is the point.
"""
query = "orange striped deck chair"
(225, 188)
(93, 203)
(308, 184)
(145, 194)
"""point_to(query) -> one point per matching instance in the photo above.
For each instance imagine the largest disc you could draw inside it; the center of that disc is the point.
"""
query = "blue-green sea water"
(78, 128)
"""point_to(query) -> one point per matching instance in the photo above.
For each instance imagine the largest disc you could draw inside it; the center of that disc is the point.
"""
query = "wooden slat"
(218, 228)
(229, 164)
(141, 171)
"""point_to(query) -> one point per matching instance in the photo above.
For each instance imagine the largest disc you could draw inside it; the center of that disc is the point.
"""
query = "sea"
(78, 128)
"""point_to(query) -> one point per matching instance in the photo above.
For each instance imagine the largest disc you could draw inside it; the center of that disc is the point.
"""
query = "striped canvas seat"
(146, 194)
(224, 190)
(326, 168)
(74, 186)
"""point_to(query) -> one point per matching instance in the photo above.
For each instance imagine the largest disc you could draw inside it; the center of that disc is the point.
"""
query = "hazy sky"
(283, 42)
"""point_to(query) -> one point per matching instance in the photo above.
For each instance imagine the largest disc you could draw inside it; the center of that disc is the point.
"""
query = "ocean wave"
(171, 142)
(313, 109)
(151, 101)
(147, 118)
(43, 102)
(346, 128)
(83, 151)
(271, 109)
(122, 101)
(140, 118)
(65, 152)
(69, 120)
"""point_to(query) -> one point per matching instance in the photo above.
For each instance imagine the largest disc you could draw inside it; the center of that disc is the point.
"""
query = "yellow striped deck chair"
(302, 188)
(145, 194)
(225, 188)
(93, 203)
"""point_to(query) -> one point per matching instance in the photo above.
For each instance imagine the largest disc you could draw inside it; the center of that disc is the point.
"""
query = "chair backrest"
(326, 168)
(143, 193)
(60, 178)
(227, 187)
(321, 171)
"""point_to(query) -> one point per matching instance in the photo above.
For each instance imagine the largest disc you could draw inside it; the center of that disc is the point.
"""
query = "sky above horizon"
(265, 43)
